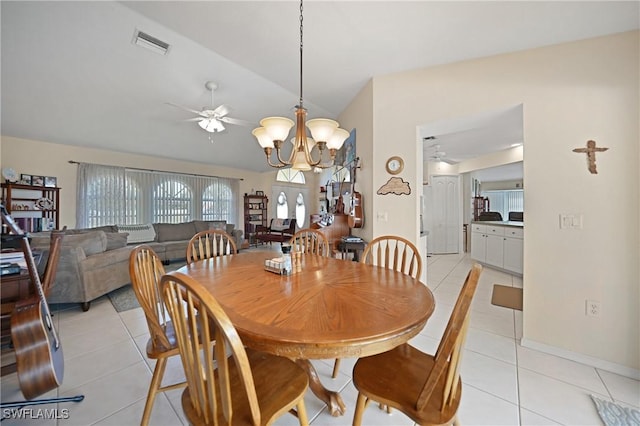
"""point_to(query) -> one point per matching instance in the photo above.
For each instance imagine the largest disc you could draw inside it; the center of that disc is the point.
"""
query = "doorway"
(442, 195)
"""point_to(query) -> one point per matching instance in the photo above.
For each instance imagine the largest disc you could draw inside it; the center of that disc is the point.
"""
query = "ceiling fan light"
(337, 139)
(277, 127)
(322, 128)
(211, 125)
(263, 137)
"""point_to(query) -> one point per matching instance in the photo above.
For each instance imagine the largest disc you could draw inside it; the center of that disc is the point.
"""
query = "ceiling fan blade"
(195, 119)
(186, 109)
(236, 121)
(221, 111)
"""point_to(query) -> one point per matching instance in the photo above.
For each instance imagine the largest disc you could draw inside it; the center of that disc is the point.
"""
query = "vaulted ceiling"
(71, 74)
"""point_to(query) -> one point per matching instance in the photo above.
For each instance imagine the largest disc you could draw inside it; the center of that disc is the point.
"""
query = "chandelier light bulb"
(263, 137)
(277, 127)
(337, 139)
(322, 128)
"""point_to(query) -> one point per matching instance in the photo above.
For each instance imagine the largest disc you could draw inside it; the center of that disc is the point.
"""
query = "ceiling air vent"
(149, 42)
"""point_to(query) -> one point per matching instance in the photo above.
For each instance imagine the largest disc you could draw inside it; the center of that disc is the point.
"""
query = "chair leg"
(336, 368)
(156, 381)
(302, 413)
(360, 406)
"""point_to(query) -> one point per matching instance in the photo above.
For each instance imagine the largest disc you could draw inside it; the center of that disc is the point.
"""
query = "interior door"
(444, 217)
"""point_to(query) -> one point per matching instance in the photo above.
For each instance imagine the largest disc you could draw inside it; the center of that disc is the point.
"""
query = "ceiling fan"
(436, 154)
(212, 119)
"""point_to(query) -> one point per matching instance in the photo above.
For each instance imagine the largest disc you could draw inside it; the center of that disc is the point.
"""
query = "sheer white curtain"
(113, 195)
(100, 195)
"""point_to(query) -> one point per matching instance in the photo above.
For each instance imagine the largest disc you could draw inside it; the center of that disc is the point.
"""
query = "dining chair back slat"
(310, 241)
(210, 243)
(393, 252)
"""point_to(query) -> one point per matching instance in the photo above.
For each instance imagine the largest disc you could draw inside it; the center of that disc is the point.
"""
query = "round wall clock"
(395, 165)
(9, 174)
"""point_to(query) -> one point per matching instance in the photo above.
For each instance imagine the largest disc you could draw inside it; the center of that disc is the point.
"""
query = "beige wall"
(571, 93)
(49, 159)
(359, 116)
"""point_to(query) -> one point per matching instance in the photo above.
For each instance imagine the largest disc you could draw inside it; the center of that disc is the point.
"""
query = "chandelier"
(325, 133)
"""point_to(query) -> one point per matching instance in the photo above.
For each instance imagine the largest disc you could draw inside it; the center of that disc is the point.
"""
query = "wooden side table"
(13, 288)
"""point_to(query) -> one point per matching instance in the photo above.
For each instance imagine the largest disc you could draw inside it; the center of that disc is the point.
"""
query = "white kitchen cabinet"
(496, 245)
(513, 249)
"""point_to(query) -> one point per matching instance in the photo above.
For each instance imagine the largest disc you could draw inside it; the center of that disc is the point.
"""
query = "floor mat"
(507, 297)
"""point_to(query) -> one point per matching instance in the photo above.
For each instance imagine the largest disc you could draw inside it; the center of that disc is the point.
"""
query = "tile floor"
(503, 383)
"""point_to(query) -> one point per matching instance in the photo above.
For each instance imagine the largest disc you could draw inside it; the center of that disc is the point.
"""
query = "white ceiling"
(71, 75)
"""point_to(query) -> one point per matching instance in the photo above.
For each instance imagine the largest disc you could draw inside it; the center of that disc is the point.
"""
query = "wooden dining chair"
(427, 388)
(391, 252)
(210, 243)
(310, 241)
(145, 269)
(226, 383)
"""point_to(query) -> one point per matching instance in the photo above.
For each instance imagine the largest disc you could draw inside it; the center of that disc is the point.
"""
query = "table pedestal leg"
(332, 399)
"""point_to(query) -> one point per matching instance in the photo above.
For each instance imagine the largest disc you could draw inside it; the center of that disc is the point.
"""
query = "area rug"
(124, 298)
(507, 297)
(613, 414)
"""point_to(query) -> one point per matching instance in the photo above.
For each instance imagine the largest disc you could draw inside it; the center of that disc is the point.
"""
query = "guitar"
(356, 214)
(39, 359)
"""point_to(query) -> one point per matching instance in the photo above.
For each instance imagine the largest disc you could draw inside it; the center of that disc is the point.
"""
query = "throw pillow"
(218, 225)
(279, 224)
(138, 233)
(116, 240)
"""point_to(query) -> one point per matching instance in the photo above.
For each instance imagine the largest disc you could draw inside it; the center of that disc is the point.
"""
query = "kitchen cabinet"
(497, 245)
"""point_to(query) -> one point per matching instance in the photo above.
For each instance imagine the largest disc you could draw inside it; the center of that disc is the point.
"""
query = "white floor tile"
(561, 369)
(482, 408)
(622, 388)
(490, 375)
(556, 400)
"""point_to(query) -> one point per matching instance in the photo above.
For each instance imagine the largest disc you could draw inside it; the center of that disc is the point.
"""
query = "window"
(172, 202)
(282, 209)
(505, 201)
(217, 202)
(301, 210)
(110, 195)
(290, 175)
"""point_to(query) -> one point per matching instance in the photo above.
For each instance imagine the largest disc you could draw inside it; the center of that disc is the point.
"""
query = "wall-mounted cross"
(591, 150)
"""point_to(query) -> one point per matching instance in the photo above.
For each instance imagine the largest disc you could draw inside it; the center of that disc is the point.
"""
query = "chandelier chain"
(301, 45)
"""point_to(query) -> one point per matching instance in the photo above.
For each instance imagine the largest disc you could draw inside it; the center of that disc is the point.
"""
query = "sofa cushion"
(116, 240)
(230, 227)
(205, 225)
(138, 233)
(92, 242)
(174, 231)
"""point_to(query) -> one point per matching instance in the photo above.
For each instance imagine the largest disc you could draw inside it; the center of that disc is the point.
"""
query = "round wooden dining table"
(329, 309)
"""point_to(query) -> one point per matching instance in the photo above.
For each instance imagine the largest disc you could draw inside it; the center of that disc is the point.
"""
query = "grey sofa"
(95, 261)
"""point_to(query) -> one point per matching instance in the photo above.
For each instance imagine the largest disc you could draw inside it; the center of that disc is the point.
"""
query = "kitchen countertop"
(497, 222)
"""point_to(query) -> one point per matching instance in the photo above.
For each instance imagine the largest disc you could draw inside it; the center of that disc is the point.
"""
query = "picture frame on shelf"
(37, 180)
(50, 181)
(260, 193)
(25, 179)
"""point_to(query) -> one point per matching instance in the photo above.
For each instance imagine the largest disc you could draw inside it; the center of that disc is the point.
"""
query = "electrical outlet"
(593, 308)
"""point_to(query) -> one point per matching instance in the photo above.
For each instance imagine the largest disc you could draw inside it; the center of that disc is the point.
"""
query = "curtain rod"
(151, 170)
